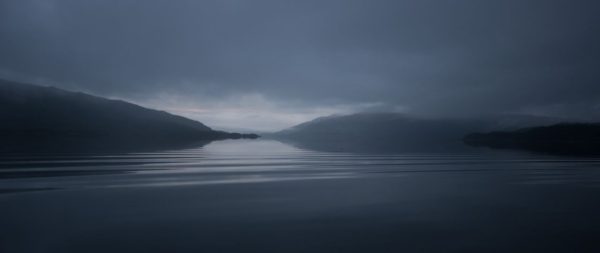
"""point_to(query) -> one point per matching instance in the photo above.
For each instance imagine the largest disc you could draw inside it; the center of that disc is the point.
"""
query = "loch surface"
(267, 196)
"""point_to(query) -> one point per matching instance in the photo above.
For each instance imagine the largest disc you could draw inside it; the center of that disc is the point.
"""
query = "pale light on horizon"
(247, 112)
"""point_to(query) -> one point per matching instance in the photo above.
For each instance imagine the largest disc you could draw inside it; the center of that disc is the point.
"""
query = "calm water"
(265, 196)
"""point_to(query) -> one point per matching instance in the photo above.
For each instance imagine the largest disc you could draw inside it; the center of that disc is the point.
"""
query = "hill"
(566, 138)
(380, 132)
(46, 117)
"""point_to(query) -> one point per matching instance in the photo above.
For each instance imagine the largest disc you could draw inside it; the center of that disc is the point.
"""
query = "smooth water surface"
(266, 196)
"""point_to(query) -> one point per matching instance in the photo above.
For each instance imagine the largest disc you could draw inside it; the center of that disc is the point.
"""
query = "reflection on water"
(265, 196)
(255, 161)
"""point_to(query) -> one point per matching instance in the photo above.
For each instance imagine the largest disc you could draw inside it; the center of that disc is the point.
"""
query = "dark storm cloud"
(433, 57)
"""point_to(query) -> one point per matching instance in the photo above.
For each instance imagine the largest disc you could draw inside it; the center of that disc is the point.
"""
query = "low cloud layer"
(235, 62)
(252, 112)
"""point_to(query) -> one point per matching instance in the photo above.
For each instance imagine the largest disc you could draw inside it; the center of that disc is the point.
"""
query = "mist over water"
(267, 196)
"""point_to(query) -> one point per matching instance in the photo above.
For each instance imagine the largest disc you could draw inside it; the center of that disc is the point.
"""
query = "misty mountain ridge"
(397, 132)
(504, 121)
(378, 132)
(34, 115)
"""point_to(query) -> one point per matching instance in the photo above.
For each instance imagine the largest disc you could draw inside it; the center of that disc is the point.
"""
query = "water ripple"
(269, 161)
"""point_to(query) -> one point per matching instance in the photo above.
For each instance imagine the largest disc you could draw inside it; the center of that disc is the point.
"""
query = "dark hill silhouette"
(46, 117)
(565, 138)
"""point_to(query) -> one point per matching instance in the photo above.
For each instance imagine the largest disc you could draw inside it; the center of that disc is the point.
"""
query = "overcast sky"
(266, 65)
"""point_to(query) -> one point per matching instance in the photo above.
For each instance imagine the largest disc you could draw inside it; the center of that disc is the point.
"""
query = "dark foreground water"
(265, 196)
